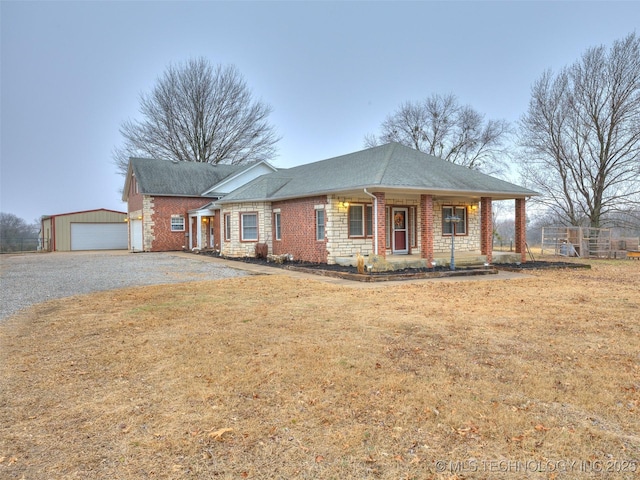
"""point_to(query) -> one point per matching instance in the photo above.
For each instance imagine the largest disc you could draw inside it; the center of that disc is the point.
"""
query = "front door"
(400, 230)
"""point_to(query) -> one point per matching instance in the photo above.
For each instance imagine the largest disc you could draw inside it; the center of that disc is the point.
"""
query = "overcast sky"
(72, 72)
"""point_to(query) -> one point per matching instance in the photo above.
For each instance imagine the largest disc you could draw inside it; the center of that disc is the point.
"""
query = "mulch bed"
(538, 265)
(351, 273)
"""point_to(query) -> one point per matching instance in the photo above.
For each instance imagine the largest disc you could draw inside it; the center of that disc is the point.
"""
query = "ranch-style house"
(389, 202)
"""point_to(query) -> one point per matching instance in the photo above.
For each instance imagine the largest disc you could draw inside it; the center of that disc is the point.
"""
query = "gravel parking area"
(33, 278)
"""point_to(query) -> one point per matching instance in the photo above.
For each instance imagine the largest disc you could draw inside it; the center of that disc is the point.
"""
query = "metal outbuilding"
(99, 229)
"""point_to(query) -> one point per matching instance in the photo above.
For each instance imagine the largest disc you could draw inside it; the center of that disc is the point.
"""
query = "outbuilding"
(99, 229)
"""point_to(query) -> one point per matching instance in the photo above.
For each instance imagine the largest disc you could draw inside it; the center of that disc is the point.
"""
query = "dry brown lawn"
(272, 377)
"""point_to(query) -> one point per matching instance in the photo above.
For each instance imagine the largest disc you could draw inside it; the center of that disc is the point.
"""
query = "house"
(99, 229)
(386, 201)
(169, 202)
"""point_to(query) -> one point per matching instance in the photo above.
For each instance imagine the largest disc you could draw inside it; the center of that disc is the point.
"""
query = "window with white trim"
(177, 223)
(276, 225)
(249, 227)
(360, 220)
(461, 226)
(319, 224)
(227, 226)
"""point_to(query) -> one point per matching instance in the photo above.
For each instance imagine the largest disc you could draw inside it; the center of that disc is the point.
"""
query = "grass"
(274, 377)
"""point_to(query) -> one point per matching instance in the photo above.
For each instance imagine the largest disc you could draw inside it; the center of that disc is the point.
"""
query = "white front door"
(400, 230)
(136, 235)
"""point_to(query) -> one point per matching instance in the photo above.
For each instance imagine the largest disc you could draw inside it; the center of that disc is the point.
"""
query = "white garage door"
(98, 236)
(136, 235)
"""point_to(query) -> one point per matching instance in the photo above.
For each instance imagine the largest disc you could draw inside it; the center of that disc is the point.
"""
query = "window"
(249, 227)
(369, 220)
(360, 220)
(355, 221)
(320, 224)
(177, 223)
(227, 227)
(461, 226)
(276, 225)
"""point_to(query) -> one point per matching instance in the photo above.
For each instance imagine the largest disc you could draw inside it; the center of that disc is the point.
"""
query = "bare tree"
(581, 135)
(198, 113)
(16, 234)
(442, 127)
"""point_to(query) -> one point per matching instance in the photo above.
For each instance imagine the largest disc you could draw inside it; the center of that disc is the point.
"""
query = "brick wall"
(380, 227)
(521, 229)
(426, 227)
(157, 211)
(298, 229)
(217, 233)
(134, 202)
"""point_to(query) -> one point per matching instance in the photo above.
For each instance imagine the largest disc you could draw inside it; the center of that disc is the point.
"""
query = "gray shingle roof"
(391, 166)
(191, 179)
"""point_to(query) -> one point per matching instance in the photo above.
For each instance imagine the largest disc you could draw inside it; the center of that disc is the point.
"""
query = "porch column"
(189, 245)
(426, 228)
(199, 231)
(381, 227)
(521, 229)
(486, 228)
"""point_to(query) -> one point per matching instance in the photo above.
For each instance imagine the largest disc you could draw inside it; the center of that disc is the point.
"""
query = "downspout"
(375, 217)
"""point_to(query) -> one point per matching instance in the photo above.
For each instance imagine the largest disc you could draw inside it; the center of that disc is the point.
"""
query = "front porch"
(462, 259)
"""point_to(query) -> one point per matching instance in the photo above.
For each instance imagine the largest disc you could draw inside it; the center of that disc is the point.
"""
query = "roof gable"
(240, 177)
(170, 178)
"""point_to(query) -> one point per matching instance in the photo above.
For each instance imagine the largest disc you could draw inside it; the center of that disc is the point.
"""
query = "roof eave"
(500, 195)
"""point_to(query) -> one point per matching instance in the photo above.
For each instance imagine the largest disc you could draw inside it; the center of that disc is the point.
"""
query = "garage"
(98, 236)
(99, 229)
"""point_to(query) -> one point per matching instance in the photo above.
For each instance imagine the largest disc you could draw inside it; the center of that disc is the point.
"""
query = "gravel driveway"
(33, 278)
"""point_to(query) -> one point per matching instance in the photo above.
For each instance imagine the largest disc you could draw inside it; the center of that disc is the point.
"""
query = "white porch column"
(199, 231)
(190, 244)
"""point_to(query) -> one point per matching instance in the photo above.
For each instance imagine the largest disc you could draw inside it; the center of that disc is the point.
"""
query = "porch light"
(344, 203)
(453, 220)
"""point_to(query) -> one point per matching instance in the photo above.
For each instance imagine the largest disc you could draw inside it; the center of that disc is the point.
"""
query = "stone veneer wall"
(237, 248)
(464, 243)
(337, 224)
(146, 213)
(340, 245)
(147, 223)
(337, 229)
